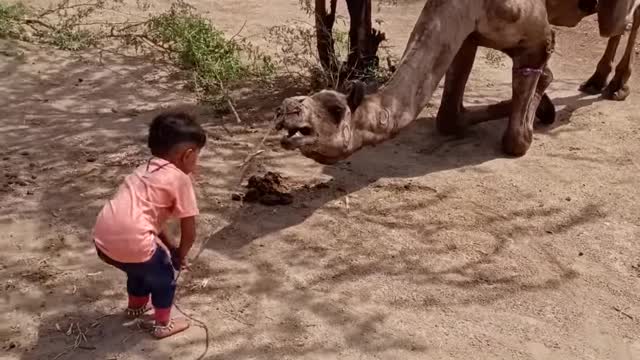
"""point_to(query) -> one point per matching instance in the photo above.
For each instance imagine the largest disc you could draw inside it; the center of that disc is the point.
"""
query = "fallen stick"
(622, 312)
(250, 157)
(233, 108)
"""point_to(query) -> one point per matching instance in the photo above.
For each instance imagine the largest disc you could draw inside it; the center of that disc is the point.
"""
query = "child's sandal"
(175, 326)
(133, 313)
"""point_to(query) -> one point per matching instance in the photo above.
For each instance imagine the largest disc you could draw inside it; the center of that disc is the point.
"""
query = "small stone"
(80, 80)
(91, 159)
(568, 198)
(24, 153)
(580, 253)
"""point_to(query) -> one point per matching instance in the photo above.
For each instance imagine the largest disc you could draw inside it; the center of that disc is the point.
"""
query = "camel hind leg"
(618, 89)
(598, 80)
(449, 120)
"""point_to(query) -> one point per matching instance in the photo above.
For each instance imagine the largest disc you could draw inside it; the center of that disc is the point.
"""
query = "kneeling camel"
(329, 126)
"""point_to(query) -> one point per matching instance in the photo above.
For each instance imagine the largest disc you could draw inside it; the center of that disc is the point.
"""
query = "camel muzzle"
(298, 137)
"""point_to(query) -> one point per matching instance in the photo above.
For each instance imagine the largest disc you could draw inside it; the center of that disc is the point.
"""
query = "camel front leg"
(528, 68)
(449, 120)
(618, 89)
(598, 80)
(546, 111)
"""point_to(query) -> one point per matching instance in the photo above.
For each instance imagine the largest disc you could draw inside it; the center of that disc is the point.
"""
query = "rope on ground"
(256, 150)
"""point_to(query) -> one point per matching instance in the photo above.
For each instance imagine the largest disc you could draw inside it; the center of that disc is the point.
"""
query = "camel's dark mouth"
(303, 130)
(298, 137)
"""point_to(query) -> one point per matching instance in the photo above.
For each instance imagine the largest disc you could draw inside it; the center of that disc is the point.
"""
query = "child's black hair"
(172, 128)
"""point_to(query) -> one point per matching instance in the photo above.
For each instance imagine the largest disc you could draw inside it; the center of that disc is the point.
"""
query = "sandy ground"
(423, 248)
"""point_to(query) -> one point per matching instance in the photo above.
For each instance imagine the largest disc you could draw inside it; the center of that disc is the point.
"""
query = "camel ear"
(355, 91)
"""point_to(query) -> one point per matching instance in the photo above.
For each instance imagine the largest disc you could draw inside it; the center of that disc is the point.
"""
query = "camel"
(329, 126)
(612, 25)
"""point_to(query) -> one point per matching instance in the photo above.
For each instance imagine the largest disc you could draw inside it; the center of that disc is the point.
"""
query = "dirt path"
(423, 248)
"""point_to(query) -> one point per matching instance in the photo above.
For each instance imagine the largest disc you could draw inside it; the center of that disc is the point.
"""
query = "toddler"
(128, 232)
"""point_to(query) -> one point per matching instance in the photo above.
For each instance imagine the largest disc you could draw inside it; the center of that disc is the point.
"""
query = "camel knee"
(517, 143)
(608, 31)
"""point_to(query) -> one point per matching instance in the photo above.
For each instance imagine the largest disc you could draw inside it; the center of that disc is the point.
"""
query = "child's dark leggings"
(155, 277)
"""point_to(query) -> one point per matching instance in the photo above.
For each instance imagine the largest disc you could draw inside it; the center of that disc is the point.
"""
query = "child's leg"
(137, 291)
(138, 294)
(161, 280)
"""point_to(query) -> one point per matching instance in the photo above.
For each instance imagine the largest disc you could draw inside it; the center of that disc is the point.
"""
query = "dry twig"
(623, 312)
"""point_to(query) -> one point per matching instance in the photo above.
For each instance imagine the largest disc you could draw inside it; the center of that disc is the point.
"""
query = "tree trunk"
(324, 34)
(364, 40)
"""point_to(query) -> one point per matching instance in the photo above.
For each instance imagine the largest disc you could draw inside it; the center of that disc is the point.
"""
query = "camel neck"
(440, 31)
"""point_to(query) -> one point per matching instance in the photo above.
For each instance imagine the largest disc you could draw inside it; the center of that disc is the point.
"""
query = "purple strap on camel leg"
(528, 71)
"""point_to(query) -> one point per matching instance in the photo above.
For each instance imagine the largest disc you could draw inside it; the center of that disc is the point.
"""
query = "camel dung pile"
(268, 189)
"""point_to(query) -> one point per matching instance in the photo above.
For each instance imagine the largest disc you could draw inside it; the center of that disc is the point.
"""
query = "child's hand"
(178, 262)
(175, 258)
(184, 264)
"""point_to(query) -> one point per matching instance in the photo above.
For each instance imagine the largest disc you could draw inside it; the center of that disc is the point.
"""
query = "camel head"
(321, 125)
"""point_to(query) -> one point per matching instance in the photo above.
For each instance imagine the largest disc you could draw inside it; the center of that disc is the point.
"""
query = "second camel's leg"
(598, 80)
(618, 89)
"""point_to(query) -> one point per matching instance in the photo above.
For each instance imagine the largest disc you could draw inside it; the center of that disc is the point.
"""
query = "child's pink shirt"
(129, 223)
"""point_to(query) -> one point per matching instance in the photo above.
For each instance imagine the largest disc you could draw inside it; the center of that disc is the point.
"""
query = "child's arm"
(187, 237)
(185, 209)
(165, 240)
